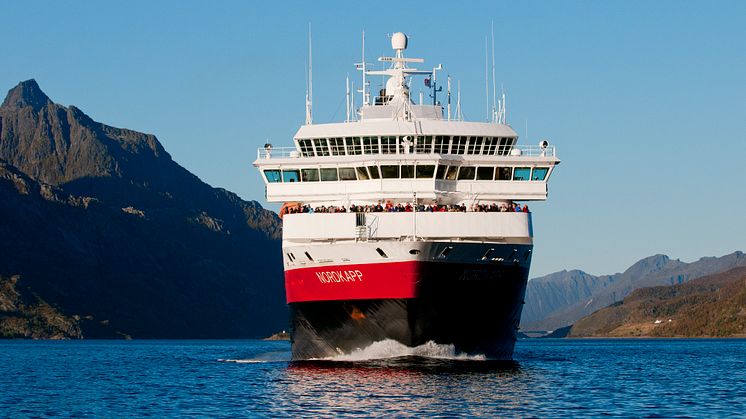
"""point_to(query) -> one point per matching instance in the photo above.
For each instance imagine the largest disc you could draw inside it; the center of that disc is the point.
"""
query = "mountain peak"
(26, 93)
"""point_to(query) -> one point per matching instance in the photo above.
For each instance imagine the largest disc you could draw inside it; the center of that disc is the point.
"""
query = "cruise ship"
(404, 221)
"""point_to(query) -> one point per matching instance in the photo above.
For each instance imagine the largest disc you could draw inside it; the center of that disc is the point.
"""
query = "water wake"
(390, 348)
(261, 358)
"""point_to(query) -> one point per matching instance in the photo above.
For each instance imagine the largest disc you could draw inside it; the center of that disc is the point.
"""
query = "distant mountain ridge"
(710, 306)
(561, 298)
(100, 223)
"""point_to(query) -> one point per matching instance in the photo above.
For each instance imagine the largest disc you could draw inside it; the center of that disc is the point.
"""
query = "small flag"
(427, 81)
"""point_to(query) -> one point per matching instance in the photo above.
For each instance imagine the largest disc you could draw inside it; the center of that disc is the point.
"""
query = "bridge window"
(272, 176)
(374, 173)
(539, 173)
(441, 171)
(425, 171)
(337, 146)
(388, 145)
(353, 146)
(504, 173)
(407, 171)
(490, 144)
(466, 173)
(309, 175)
(291, 175)
(485, 173)
(521, 173)
(329, 175)
(458, 145)
(441, 144)
(306, 149)
(362, 173)
(475, 145)
(370, 145)
(390, 172)
(347, 173)
(451, 173)
(505, 145)
(321, 146)
(424, 145)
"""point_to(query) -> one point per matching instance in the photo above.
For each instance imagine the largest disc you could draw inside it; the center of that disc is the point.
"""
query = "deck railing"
(514, 151)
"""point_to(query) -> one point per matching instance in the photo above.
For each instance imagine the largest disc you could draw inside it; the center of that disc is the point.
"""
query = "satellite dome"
(399, 41)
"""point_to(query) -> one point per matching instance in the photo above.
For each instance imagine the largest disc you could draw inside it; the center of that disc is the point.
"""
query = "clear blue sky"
(646, 101)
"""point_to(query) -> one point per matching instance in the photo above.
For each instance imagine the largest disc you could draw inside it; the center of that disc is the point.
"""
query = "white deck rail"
(515, 151)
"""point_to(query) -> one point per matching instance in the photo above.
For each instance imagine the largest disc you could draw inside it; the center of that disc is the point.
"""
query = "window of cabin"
(490, 144)
(347, 173)
(374, 173)
(458, 144)
(466, 173)
(362, 173)
(504, 173)
(521, 173)
(441, 171)
(441, 144)
(452, 172)
(407, 171)
(353, 146)
(309, 175)
(370, 145)
(306, 148)
(504, 146)
(337, 146)
(424, 145)
(388, 145)
(539, 173)
(292, 175)
(475, 145)
(321, 146)
(329, 175)
(485, 173)
(390, 171)
(425, 171)
(273, 176)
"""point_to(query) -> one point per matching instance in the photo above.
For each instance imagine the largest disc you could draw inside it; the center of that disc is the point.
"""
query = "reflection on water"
(404, 386)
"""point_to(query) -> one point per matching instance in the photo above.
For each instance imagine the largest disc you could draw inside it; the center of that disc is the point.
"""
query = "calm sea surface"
(550, 378)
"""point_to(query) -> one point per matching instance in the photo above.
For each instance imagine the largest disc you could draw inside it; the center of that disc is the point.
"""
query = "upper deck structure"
(392, 149)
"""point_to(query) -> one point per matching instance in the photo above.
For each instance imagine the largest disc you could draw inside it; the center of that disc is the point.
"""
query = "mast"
(486, 79)
(309, 88)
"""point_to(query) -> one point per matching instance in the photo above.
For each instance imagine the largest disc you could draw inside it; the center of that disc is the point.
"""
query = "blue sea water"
(549, 378)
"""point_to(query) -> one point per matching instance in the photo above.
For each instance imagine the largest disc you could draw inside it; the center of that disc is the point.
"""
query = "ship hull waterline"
(475, 307)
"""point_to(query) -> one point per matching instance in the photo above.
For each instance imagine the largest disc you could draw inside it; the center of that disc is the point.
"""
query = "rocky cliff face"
(561, 298)
(101, 223)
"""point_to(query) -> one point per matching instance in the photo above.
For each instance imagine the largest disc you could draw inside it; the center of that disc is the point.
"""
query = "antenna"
(366, 93)
(486, 79)
(309, 88)
(347, 98)
(504, 106)
(353, 115)
(458, 103)
(449, 98)
(494, 85)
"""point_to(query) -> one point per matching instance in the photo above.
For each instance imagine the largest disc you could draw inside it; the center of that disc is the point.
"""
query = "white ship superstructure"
(401, 222)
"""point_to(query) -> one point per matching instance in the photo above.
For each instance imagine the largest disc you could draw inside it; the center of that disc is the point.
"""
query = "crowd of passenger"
(407, 207)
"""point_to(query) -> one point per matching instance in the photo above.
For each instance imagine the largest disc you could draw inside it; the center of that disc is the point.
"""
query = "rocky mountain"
(561, 298)
(711, 306)
(101, 225)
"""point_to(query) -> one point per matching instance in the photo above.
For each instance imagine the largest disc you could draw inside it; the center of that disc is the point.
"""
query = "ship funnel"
(399, 41)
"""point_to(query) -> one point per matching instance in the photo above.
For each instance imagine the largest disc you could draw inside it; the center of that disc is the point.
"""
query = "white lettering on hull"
(326, 277)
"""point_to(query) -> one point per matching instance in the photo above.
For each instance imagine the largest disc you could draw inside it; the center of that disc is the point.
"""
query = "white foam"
(390, 348)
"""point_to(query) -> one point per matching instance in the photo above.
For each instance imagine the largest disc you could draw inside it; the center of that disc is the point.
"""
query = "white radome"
(399, 41)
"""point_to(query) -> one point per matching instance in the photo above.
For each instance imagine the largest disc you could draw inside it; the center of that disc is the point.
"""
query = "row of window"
(406, 171)
(441, 144)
